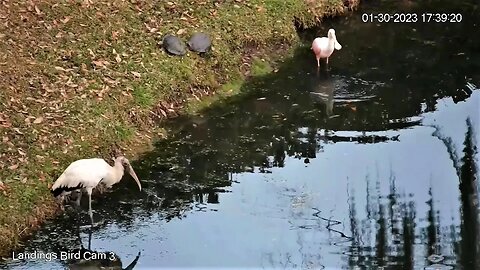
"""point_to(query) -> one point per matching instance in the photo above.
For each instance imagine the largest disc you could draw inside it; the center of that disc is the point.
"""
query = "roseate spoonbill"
(86, 174)
(323, 46)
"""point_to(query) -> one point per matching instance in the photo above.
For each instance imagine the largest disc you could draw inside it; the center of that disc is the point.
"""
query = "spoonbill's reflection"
(323, 91)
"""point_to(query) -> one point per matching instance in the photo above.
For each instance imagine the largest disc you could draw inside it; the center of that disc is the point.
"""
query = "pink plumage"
(323, 47)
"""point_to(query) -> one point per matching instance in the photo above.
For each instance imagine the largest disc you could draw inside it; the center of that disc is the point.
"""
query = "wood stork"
(86, 174)
(323, 47)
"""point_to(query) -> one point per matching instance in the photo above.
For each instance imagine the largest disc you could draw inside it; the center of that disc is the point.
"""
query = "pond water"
(371, 163)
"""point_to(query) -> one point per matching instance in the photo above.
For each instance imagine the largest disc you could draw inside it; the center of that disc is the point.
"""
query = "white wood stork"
(86, 174)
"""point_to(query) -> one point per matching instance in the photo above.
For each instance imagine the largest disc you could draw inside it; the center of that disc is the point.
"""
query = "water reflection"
(68, 245)
(90, 259)
(469, 248)
(373, 164)
(324, 92)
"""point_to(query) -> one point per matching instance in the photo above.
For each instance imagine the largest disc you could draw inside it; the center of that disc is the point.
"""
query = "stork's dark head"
(126, 164)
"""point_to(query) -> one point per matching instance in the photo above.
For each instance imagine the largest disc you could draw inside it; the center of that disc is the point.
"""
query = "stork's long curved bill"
(134, 175)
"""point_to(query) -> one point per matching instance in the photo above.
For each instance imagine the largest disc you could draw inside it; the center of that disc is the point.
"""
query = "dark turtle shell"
(200, 42)
(174, 45)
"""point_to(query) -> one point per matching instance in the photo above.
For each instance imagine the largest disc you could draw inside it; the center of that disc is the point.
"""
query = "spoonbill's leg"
(327, 60)
(318, 62)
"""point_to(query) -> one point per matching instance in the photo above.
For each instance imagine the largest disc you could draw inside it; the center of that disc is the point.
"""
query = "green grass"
(123, 133)
(228, 89)
(97, 77)
(260, 67)
(143, 97)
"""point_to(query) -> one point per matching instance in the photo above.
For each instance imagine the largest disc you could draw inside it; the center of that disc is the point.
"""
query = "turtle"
(174, 45)
(199, 42)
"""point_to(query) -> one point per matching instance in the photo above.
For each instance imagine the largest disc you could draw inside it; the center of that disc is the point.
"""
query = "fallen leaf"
(136, 74)
(38, 120)
(98, 63)
(18, 131)
(67, 18)
(13, 167)
(163, 112)
(181, 31)
(118, 59)
(37, 10)
(213, 12)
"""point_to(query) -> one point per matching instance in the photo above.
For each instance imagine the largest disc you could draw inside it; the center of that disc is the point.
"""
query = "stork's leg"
(61, 202)
(79, 197)
(90, 239)
(89, 191)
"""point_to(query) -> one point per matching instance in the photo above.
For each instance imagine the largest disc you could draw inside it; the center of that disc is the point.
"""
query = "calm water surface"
(371, 164)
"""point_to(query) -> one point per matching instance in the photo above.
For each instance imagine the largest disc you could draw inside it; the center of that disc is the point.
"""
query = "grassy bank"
(86, 78)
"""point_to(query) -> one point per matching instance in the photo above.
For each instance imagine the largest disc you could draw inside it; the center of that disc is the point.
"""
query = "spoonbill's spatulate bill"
(86, 174)
(323, 47)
